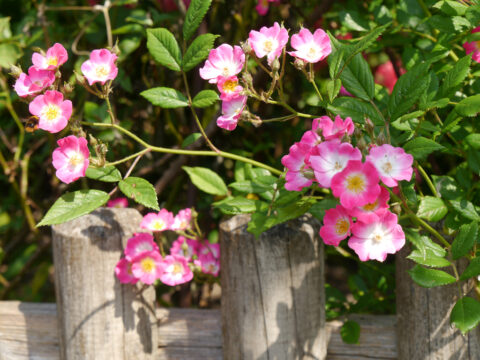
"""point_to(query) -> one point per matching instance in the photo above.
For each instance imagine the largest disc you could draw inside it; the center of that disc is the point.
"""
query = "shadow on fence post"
(98, 317)
(423, 319)
(273, 299)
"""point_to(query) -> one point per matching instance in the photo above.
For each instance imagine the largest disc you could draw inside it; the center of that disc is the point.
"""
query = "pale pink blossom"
(184, 247)
(333, 129)
(356, 185)
(209, 264)
(207, 247)
(299, 172)
(473, 47)
(371, 210)
(377, 237)
(229, 88)
(176, 270)
(268, 42)
(55, 57)
(35, 81)
(148, 266)
(120, 202)
(52, 111)
(337, 225)
(160, 221)
(392, 163)
(224, 61)
(100, 67)
(331, 157)
(182, 220)
(123, 271)
(311, 48)
(70, 159)
(311, 138)
(139, 243)
(231, 110)
(262, 6)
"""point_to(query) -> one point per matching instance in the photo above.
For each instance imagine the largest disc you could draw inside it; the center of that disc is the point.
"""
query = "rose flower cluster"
(323, 157)
(144, 262)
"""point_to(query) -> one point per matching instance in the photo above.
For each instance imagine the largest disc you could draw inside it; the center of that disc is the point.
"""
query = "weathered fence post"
(423, 320)
(273, 301)
(98, 317)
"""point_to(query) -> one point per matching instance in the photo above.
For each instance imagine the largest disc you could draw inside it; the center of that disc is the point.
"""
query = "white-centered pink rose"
(123, 271)
(372, 210)
(54, 58)
(231, 110)
(229, 88)
(223, 62)
(299, 172)
(310, 47)
(139, 243)
(160, 221)
(183, 220)
(392, 163)
(100, 67)
(52, 111)
(176, 270)
(268, 42)
(377, 237)
(70, 159)
(148, 266)
(209, 264)
(184, 247)
(207, 247)
(337, 225)
(333, 129)
(35, 81)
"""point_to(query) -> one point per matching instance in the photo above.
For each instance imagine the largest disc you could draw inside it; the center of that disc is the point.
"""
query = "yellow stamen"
(177, 268)
(338, 166)
(267, 46)
(53, 61)
(52, 112)
(76, 159)
(377, 238)
(387, 167)
(101, 71)
(230, 85)
(371, 207)
(226, 71)
(341, 226)
(312, 52)
(148, 265)
(356, 183)
(158, 225)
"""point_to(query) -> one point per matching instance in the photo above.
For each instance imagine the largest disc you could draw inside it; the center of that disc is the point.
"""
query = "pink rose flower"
(184, 247)
(224, 61)
(35, 81)
(157, 222)
(52, 111)
(392, 163)
(148, 266)
(268, 42)
(139, 243)
(356, 185)
(123, 271)
(70, 159)
(182, 220)
(377, 237)
(120, 202)
(176, 270)
(299, 172)
(337, 226)
(331, 157)
(372, 210)
(473, 47)
(100, 67)
(229, 88)
(333, 129)
(231, 110)
(311, 48)
(208, 248)
(209, 264)
(54, 58)
(262, 6)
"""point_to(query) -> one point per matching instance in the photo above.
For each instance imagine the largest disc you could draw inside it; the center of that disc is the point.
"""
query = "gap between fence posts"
(273, 296)
(99, 318)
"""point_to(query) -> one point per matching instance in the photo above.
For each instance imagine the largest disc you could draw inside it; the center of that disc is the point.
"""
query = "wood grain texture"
(273, 299)
(98, 317)
(29, 331)
(424, 330)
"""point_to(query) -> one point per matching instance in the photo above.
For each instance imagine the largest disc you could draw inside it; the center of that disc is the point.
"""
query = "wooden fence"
(272, 305)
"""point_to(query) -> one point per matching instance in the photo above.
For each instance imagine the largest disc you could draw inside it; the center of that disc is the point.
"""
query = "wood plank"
(29, 331)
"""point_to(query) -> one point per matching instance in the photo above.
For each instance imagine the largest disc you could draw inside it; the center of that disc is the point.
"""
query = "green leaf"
(73, 205)
(9, 54)
(369, 38)
(424, 244)
(447, 187)
(455, 76)
(165, 97)
(236, 205)
(206, 180)
(140, 190)
(333, 88)
(205, 98)
(357, 109)
(469, 106)
(198, 51)
(465, 314)
(465, 239)
(428, 259)
(473, 140)
(195, 14)
(164, 48)
(450, 7)
(429, 277)
(190, 139)
(107, 174)
(350, 332)
(472, 270)
(466, 209)
(432, 208)
(420, 147)
(408, 89)
(248, 187)
(353, 21)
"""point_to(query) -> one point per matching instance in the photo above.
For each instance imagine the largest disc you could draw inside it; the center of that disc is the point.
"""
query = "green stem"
(289, 108)
(18, 122)
(109, 106)
(427, 180)
(424, 8)
(281, 118)
(181, 151)
(316, 89)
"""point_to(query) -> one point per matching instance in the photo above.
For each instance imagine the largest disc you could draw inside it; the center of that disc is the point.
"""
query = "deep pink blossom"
(377, 237)
(229, 88)
(356, 185)
(160, 221)
(224, 61)
(473, 47)
(207, 247)
(120, 202)
(268, 42)
(148, 266)
(392, 163)
(299, 172)
(311, 48)
(139, 243)
(70, 159)
(176, 270)
(371, 210)
(262, 6)
(337, 225)
(100, 67)
(35, 81)
(333, 129)
(123, 271)
(52, 111)
(209, 264)
(231, 110)
(184, 247)
(54, 58)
